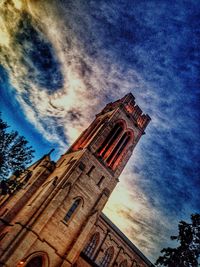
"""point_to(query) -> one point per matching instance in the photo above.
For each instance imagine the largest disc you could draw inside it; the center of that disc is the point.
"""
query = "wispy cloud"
(66, 59)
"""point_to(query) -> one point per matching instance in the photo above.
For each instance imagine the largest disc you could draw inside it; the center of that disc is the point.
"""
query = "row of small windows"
(108, 255)
(90, 248)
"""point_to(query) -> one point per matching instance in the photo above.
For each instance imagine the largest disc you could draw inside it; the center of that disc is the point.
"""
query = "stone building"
(55, 218)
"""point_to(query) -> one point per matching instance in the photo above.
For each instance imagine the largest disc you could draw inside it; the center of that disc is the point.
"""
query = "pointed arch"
(36, 259)
(122, 145)
(82, 200)
(108, 143)
(107, 257)
(92, 244)
(35, 262)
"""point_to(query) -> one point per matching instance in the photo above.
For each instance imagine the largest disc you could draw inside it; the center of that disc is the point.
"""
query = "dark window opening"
(90, 170)
(108, 142)
(35, 262)
(81, 166)
(72, 209)
(121, 141)
(100, 181)
(106, 191)
(120, 151)
(105, 261)
(90, 248)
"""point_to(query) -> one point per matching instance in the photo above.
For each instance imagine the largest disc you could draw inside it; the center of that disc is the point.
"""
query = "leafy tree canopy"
(14, 152)
(187, 254)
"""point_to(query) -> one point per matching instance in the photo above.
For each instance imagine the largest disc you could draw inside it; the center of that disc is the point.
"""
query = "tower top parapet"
(133, 111)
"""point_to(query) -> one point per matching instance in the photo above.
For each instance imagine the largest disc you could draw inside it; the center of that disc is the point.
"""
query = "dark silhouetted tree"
(14, 153)
(187, 254)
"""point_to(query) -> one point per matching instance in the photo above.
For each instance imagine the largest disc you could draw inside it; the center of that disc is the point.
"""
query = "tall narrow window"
(117, 152)
(72, 209)
(100, 181)
(90, 248)
(90, 170)
(121, 148)
(121, 141)
(108, 142)
(106, 260)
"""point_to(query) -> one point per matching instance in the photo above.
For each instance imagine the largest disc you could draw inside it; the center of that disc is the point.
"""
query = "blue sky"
(62, 61)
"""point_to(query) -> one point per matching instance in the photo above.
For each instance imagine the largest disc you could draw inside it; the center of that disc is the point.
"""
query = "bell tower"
(54, 221)
(114, 133)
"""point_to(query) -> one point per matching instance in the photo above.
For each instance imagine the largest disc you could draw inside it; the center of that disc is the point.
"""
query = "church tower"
(47, 221)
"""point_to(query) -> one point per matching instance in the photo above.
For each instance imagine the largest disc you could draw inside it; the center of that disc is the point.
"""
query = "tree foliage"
(187, 254)
(14, 152)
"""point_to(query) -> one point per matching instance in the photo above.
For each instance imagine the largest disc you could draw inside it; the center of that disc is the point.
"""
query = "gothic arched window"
(123, 263)
(105, 261)
(89, 249)
(35, 262)
(107, 144)
(117, 152)
(72, 209)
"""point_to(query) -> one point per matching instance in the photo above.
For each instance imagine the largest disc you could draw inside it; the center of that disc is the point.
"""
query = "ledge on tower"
(127, 103)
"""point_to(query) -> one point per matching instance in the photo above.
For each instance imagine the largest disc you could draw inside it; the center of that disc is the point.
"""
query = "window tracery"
(90, 248)
(106, 260)
(109, 140)
(115, 144)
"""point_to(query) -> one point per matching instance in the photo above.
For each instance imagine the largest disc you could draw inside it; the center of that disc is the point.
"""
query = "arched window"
(123, 263)
(110, 139)
(35, 262)
(89, 249)
(117, 152)
(72, 209)
(105, 261)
